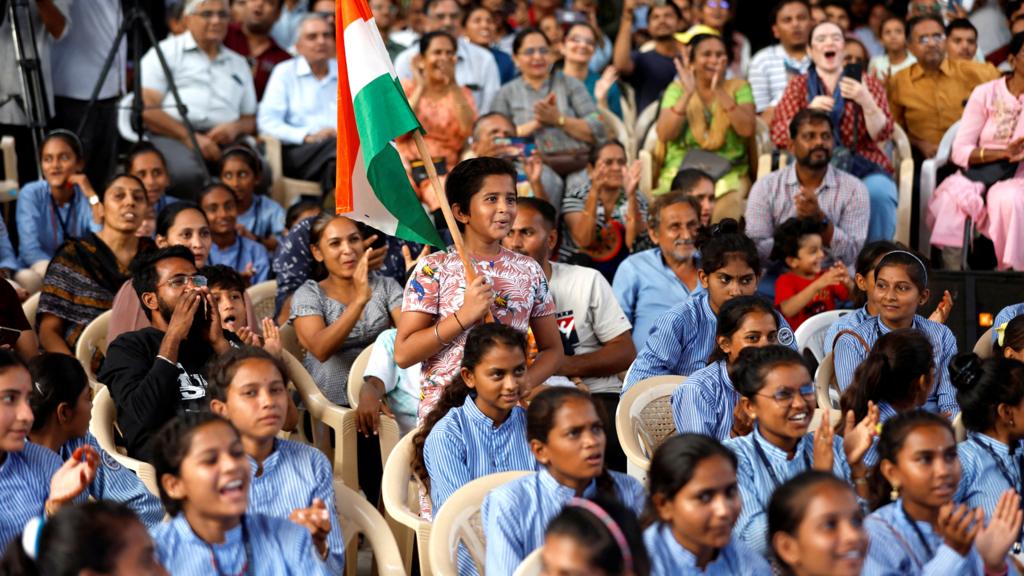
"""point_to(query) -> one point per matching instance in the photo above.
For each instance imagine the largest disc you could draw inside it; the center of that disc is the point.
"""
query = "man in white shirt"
(595, 332)
(215, 85)
(475, 67)
(772, 67)
(300, 106)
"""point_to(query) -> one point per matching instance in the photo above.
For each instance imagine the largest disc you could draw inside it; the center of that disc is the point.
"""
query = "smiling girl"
(247, 256)
(259, 217)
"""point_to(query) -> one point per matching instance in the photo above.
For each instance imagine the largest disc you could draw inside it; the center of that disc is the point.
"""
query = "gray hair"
(192, 6)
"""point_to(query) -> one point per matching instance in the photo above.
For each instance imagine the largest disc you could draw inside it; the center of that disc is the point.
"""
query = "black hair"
(894, 433)
(774, 18)
(222, 368)
(754, 364)
(841, 4)
(226, 277)
(867, 259)
(982, 385)
(961, 24)
(521, 36)
(688, 178)
(170, 446)
(595, 152)
(213, 186)
(699, 39)
(291, 217)
(1016, 43)
(468, 176)
(790, 501)
(427, 39)
(176, 10)
(56, 379)
(140, 148)
(480, 340)
(144, 274)
(675, 462)
(8, 359)
(245, 154)
(731, 316)
(583, 24)
(1013, 6)
(891, 17)
(83, 537)
(723, 242)
(669, 4)
(1013, 336)
(669, 199)
(489, 115)
(807, 116)
(68, 137)
(916, 20)
(542, 207)
(102, 193)
(475, 7)
(316, 231)
(891, 372)
(591, 533)
(169, 214)
(789, 236)
(429, 3)
(915, 266)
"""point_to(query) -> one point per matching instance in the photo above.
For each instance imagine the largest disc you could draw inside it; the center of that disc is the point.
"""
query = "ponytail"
(890, 373)
(453, 395)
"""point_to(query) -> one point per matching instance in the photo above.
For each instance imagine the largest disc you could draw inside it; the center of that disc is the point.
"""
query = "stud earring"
(895, 494)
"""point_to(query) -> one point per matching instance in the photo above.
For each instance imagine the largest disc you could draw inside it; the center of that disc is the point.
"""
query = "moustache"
(688, 242)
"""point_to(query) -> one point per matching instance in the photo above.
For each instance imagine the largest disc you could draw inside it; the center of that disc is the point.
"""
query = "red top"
(261, 64)
(789, 285)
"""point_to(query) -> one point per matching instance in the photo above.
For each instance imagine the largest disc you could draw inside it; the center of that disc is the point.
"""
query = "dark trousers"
(316, 161)
(614, 457)
(99, 136)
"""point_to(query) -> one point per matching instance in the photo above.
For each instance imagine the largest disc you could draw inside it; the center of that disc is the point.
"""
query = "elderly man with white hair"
(300, 106)
(215, 85)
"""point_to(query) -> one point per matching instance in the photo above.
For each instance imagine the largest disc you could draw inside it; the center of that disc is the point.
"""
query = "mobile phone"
(419, 170)
(854, 70)
(9, 336)
(525, 144)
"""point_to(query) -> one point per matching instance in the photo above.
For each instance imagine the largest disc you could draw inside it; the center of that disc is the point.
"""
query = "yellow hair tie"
(1001, 333)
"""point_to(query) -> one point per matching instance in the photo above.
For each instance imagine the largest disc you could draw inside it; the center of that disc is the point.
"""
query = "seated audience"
(896, 57)
(580, 46)
(770, 380)
(860, 121)
(916, 526)
(492, 134)
(260, 218)
(650, 282)
(772, 67)
(86, 272)
(988, 148)
(147, 163)
(211, 523)
(649, 73)
(251, 39)
(216, 87)
(227, 291)
(961, 40)
(292, 480)
(568, 440)
(157, 372)
(61, 408)
(478, 24)
(54, 209)
(12, 317)
(300, 106)
(929, 96)
(699, 184)
(718, 16)
(706, 402)
(864, 288)
(230, 247)
(549, 106)
(811, 188)
(388, 389)
(595, 535)
(703, 114)
(901, 287)
(604, 216)
(807, 288)
(699, 471)
(797, 513)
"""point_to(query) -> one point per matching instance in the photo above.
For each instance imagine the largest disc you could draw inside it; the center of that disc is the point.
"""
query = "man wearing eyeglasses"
(929, 96)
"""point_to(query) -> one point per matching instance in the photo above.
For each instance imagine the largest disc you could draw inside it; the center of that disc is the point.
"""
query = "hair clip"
(1001, 333)
(924, 269)
(39, 388)
(613, 528)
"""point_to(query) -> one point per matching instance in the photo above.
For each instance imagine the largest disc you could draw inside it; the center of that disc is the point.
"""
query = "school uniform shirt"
(845, 323)
(669, 558)
(274, 547)
(885, 413)
(516, 515)
(293, 475)
(681, 341)
(43, 226)
(646, 288)
(1004, 316)
(24, 487)
(987, 470)
(114, 482)
(704, 402)
(264, 218)
(757, 481)
(895, 548)
(465, 445)
(242, 253)
(849, 353)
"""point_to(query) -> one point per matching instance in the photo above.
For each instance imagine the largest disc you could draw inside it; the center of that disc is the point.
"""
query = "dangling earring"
(894, 495)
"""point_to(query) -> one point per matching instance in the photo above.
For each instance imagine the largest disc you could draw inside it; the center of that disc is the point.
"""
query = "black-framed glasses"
(785, 396)
(181, 280)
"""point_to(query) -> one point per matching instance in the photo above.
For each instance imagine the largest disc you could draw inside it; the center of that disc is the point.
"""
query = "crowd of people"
(602, 162)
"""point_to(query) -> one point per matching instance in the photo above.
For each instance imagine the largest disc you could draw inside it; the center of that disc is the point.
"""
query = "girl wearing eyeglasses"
(778, 396)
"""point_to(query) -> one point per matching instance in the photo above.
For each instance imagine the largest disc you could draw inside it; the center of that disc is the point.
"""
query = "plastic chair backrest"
(811, 334)
(903, 163)
(619, 131)
(356, 517)
(30, 307)
(9, 185)
(290, 341)
(643, 418)
(400, 492)
(284, 190)
(262, 296)
(531, 565)
(388, 430)
(825, 384)
(92, 340)
(984, 348)
(646, 120)
(102, 426)
(459, 521)
(959, 431)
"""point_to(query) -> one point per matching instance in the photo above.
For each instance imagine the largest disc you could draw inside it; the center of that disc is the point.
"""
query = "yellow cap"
(685, 37)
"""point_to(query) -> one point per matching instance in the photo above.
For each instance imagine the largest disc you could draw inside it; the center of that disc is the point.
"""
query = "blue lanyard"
(1005, 473)
(768, 465)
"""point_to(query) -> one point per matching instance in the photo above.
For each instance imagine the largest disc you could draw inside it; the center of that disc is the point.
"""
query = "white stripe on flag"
(364, 66)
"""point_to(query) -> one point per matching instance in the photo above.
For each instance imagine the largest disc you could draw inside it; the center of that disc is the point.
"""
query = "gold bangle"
(561, 120)
(981, 152)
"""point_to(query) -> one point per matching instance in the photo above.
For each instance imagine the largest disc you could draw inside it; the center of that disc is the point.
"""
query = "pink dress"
(991, 119)
(444, 136)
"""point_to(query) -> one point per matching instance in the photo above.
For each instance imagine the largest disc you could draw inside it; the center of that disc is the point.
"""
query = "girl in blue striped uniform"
(705, 403)
(864, 282)
(247, 256)
(991, 397)
(694, 504)
(262, 218)
(566, 435)
(204, 476)
(595, 536)
(289, 480)
(916, 528)
(62, 405)
(816, 527)
(901, 287)
(778, 395)
(32, 482)
(477, 427)
(896, 376)
(684, 337)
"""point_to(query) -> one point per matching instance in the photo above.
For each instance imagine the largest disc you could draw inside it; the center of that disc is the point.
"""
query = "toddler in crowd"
(806, 289)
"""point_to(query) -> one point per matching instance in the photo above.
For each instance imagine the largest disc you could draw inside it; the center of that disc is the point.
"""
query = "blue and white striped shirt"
(982, 481)
(293, 475)
(115, 483)
(277, 548)
(885, 413)
(895, 548)
(516, 515)
(465, 445)
(849, 353)
(242, 253)
(704, 402)
(669, 558)
(845, 323)
(24, 486)
(683, 339)
(757, 484)
(264, 218)
(1004, 316)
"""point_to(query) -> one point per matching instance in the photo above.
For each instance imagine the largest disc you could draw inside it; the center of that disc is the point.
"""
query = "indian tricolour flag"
(372, 185)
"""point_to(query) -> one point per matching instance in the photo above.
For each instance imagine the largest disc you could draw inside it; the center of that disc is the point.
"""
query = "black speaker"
(977, 298)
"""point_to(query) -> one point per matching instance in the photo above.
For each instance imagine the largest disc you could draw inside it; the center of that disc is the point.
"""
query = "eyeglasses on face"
(181, 280)
(539, 51)
(211, 14)
(932, 39)
(785, 396)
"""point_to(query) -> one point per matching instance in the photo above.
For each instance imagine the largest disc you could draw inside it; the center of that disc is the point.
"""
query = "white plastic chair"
(262, 296)
(929, 181)
(903, 164)
(400, 491)
(388, 431)
(102, 426)
(93, 339)
(531, 565)
(983, 347)
(285, 191)
(645, 121)
(643, 419)
(30, 307)
(356, 517)
(811, 334)
(9, 185)
(618, 131)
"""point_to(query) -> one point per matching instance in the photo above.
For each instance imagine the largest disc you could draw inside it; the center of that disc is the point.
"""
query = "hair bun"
(723, 227)
(965, 370)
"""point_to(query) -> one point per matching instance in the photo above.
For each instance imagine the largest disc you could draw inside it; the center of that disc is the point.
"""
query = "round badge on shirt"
(785, 336)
